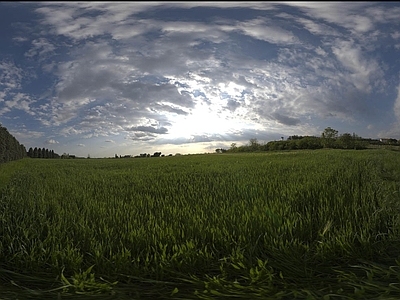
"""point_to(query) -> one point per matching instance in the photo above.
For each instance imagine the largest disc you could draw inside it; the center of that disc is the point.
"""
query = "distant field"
(282, 225)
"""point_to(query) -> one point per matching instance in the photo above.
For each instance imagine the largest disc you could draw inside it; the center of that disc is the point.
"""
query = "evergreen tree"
(35, 153)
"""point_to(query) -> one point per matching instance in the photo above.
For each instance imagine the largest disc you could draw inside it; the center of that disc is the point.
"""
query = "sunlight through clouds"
(153, 75)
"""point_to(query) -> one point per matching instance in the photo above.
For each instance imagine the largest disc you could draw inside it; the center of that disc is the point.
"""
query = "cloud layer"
(200, 74)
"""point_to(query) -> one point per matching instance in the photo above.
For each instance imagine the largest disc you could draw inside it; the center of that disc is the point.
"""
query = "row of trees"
(329, 139)
(42, 153)
(10, 148)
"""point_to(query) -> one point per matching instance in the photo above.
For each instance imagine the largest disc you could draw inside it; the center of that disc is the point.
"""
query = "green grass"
(281, 225)
(8, 170)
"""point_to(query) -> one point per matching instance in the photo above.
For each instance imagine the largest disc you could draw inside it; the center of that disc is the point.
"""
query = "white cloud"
(346, 15)
(41, 48)
(23, 134)
(262, 30)
(362, 70)
(146, 78)
(10, 76)
(51, 141)
(397, 104)
(396, 35)
(319, 29)
(383, 14)
(20, 39)
(19, 101)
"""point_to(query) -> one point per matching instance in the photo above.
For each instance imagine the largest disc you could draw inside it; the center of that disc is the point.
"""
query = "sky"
(106, 78)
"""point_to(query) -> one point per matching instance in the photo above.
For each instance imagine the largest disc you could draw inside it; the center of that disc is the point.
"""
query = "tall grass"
(278, 225)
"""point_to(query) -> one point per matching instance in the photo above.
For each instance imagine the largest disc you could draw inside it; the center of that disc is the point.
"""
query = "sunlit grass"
(276, 225)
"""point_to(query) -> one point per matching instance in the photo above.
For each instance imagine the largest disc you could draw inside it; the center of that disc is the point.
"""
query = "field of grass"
(321, 224)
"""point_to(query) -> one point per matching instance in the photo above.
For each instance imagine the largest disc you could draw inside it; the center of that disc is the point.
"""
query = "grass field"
(321, 224)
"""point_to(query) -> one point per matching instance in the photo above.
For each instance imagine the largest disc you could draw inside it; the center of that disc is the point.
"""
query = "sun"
(211, 117)
(203, 120)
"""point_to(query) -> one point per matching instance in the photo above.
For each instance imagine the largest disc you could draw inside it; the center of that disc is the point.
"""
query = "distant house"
(388, 141)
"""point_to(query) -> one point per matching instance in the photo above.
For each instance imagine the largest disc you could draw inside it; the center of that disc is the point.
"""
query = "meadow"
(317, 224)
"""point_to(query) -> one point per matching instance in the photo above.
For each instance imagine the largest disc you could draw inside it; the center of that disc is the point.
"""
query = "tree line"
(42, 153)
(328, 139)
(10, 148)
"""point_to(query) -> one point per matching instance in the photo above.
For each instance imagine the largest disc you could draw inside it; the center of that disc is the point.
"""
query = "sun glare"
(212, 117)
(202, 120)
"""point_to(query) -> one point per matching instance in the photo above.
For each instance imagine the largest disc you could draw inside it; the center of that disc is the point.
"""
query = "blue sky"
(105, 78)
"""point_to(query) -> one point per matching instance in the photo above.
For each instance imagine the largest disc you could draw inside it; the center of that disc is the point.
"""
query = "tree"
(10, 148)
(295, 137)
(35, 153)
(253, 144)
(2, 144)
(30, 152)
(328, 137)
(309, 142)
(233, 147)
(346, 141)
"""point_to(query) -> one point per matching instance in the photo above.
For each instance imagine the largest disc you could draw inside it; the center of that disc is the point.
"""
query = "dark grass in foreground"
(285, 225)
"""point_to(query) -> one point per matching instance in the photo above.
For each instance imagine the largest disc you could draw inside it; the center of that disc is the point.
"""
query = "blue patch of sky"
(391, 59)
(38, 84)
(13, 15)
(20, 116)
(180, 84)
(244, 93)
(152, 79)
(152, 35)
(197, 93)
(379, 104)
(251, 47)
(12, 49)
(224, 95)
